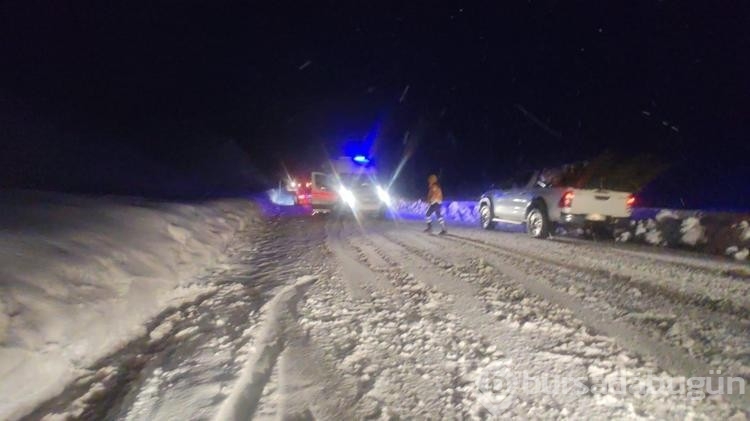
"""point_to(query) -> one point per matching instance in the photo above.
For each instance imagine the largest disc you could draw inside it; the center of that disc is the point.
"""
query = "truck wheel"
(537, 223)
(485, 217)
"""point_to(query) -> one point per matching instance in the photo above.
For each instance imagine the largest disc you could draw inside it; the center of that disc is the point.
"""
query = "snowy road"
(324, 319)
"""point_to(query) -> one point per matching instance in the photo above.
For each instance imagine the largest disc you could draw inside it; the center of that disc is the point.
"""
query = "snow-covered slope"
(80, 276)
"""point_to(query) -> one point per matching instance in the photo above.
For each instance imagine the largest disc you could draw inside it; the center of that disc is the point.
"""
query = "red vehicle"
(317, 192)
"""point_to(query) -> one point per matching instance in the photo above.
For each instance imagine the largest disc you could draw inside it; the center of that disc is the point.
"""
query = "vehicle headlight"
(347, 196)
(383, 195)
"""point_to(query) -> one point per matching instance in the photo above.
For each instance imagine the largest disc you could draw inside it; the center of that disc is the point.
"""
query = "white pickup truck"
(544, 204)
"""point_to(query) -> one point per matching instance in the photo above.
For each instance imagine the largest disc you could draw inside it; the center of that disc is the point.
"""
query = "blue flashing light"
(361, 159)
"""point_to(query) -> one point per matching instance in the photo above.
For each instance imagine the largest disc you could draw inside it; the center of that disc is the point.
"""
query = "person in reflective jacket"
(435, 199)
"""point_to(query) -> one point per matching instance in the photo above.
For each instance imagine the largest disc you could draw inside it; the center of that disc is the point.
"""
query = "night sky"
(478, 90)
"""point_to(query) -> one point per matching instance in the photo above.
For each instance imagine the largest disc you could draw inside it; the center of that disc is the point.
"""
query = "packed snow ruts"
(189, 358)
(698, 327)
(535, 328)
(398, 324)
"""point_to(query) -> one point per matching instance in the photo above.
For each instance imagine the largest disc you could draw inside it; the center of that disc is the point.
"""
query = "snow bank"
(79, 277)
(280, 197)
(462, 212)
(693, 233)
(716, 233)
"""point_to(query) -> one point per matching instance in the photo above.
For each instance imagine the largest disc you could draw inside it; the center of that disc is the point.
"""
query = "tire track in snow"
(368, 254)
(536, 330)
(669, 357)
(726, 332)
(311, 384)
(688, 295)
(395, 339)
(711, 265)
(354, 274)
(458, 295)
(459, 300)
(702, 331)
(243, 401)
(188, 355)
(732, 297)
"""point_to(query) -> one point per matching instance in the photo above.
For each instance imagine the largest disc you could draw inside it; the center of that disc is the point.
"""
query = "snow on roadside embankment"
(712, 232)
(465, 212)
(79, 277)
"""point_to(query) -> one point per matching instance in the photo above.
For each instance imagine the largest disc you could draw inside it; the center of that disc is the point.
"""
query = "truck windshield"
(357, 180)
(322, 181)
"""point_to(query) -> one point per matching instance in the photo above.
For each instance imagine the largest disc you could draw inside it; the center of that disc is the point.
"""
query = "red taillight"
(566, 200)
(630, 201)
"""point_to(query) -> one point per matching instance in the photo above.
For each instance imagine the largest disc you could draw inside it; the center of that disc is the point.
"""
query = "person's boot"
(429, 227)
(442, 228)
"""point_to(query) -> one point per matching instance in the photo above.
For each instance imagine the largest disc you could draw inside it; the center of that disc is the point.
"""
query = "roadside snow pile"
(693, 233)
(465, 212)
(79, 277)
(280, 197)
(411, 209)
(742, 254)
(744, 230)
(667, 229)
(716, 233)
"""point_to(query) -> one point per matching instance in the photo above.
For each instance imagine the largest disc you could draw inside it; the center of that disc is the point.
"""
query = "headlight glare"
(383, 195)
(347, 196)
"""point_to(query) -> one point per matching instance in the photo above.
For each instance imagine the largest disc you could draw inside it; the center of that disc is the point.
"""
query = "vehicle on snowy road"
(545, 200)
(362, 195)
(315, 192)
(350, 187)
(355, 180)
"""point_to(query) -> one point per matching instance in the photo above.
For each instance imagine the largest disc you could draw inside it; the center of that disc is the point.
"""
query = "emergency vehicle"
(351, 185)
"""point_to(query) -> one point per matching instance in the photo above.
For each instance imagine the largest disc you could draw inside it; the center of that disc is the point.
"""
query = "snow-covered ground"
(80, 277)
(331, 318)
